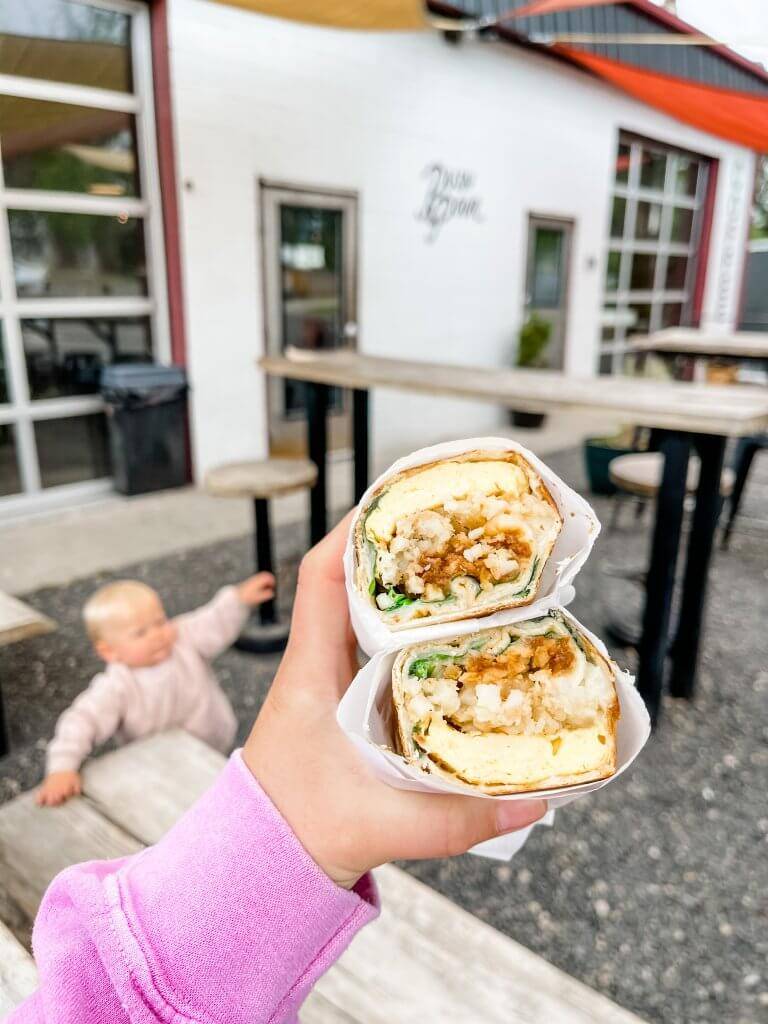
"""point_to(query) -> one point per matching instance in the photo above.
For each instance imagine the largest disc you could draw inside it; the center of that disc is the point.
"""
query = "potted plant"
(599, 452)
(534, 337)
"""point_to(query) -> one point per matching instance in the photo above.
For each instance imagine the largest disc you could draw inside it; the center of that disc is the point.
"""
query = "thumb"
(443, 826)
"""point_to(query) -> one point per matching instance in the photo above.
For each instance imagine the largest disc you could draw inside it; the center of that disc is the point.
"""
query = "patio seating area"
(651, 892)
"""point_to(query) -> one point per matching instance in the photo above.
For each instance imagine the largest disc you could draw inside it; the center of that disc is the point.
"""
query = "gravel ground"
(654, 891)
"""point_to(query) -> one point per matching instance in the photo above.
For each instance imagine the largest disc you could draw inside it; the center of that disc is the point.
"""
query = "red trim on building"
(166, 159)
(704, 240)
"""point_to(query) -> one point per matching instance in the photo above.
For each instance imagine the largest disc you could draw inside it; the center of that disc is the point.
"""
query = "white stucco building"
(311, 186)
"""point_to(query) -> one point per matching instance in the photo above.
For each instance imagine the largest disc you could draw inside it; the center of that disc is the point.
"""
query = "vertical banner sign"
(448, 197)
(732, 241)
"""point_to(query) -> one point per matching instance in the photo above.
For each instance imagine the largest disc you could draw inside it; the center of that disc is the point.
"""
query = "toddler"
(157, 675)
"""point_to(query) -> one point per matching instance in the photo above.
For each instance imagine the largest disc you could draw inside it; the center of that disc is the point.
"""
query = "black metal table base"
(685, 650)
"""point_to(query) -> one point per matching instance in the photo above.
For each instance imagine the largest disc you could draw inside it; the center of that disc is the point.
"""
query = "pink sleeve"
(214, 627)
(227, 920)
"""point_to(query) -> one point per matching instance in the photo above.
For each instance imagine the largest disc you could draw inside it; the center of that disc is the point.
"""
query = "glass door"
(82, 280)
(546, 292)
(310, 271)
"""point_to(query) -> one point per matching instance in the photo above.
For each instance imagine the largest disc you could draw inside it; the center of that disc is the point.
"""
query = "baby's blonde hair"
(112, 604)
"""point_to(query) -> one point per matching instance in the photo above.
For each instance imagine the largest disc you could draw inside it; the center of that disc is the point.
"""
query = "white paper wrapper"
(366, 716)
(571, 550)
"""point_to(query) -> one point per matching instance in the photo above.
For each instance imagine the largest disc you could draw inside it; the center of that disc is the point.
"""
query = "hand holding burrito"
(347, 818)
(459, 561)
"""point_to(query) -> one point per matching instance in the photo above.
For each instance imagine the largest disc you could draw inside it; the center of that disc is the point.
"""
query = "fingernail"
(515, 814)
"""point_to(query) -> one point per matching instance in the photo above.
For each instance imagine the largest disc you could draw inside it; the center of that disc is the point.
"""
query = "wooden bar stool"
(639, 474)
(261, 480)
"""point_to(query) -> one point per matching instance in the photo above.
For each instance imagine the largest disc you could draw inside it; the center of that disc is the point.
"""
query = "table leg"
(317, 444)
(360, 420)
(685, 651)
(660, 583)
(4, 744)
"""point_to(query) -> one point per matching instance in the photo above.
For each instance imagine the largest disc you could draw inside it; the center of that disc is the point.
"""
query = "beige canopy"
(374, 15)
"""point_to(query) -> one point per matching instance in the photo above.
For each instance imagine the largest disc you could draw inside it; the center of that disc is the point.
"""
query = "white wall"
(259, 97)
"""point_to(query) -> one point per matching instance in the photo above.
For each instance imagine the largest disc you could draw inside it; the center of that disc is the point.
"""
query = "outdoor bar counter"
(684, 416)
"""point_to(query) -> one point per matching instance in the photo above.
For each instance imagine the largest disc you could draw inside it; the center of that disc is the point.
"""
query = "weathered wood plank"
(425, 957)
(18, 974)
(146, 786)
(19, 622)
(729, 411)
(38, 842)
(317, 1009)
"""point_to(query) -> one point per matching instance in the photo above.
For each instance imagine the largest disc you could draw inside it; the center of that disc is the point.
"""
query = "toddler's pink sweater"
(180, 693)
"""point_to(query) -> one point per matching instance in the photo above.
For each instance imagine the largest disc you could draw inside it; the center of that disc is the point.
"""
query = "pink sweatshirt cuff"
(227, 920)
(229, 916)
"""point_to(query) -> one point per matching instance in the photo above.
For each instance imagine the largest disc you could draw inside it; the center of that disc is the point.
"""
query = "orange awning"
(740, 117)
(373, 15)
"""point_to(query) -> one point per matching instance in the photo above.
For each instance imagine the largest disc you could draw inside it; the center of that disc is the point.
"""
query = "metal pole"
(263, 548)
(685, 650)
(4, 744)
(652, 649)
(317, 444)
(360, 421)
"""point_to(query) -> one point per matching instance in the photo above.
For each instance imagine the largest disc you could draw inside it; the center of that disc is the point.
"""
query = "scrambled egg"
(509, 709)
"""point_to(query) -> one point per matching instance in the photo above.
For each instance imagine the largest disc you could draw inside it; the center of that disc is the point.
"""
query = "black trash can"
(146, 407)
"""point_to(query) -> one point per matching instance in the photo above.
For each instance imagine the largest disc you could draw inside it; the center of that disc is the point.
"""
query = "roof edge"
(672, 21)
(647, 7)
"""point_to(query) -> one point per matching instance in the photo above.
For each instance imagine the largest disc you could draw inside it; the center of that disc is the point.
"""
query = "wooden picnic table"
(18, 621)
(422, 952)
(685, 417)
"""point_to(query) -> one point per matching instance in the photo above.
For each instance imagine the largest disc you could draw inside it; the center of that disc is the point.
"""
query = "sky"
(741, 24)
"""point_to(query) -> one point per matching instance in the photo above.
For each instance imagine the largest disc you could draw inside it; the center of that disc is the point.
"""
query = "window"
(81, 258)
(655, 214)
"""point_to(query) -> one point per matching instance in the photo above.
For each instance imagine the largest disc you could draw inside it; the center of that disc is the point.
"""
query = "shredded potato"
(538, 685)
(483, 537)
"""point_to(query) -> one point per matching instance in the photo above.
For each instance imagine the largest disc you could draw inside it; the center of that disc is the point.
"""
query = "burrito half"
(528, 706)
(460, 537)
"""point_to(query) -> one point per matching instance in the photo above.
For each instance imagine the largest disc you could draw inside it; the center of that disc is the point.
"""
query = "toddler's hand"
(57, 788)
(257, 589)
(346, 818)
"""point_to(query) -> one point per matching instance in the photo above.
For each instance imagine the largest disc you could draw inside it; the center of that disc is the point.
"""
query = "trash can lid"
(141, 377)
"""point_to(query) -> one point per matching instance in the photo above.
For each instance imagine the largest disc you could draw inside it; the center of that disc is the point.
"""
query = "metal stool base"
(262, 637)
(625, 632)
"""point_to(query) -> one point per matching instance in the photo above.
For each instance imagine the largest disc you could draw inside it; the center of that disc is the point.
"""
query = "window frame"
(21, 410)
(658, 296)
